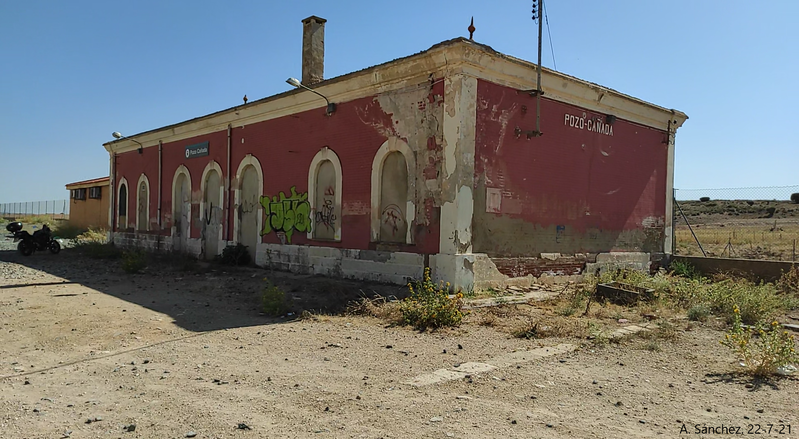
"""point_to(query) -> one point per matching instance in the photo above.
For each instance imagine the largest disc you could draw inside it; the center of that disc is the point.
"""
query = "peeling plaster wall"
(569, 191)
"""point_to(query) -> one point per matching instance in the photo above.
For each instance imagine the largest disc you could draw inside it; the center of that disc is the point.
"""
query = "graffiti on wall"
(284, 215)
(325, 214)
(393, 218)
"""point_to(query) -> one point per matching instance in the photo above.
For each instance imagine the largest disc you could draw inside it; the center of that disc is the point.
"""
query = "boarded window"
(326, 217)
(393, 198)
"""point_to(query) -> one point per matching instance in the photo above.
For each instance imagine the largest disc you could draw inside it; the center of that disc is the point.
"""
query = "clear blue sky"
(73, 72)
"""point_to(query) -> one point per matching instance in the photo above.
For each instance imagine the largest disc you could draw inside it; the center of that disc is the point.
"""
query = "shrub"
(763, 350)
(66, 230)
(795, 198)
(684, 269)
(92, 235)
(235, 255)
(789, 281)
(273, 300)
(430, 305)
(699, 313)
(704, 199)
(134, 261)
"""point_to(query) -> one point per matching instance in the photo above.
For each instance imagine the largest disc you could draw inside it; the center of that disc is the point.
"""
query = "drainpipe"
(227, 187)
(160, 157)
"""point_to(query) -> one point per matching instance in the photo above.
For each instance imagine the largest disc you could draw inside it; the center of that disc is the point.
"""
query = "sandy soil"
(180, 353)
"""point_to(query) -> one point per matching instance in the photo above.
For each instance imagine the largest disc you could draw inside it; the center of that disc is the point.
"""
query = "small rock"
(388, 346)
(131, 427)
(463, 397)
(642, 421)
(594, 382)
(460, 347)
(749, 385)
(619, 404)
(191, 434)
(513, 422)
(27, 382)
(436, 419)
(624, 321)
(550, 425)
(243, 426)
(760, 410)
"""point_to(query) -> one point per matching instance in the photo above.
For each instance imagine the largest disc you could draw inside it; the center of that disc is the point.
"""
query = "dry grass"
(758, 240)
(378, 307)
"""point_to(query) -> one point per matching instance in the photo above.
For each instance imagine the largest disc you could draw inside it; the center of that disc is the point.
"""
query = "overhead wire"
(551, 48)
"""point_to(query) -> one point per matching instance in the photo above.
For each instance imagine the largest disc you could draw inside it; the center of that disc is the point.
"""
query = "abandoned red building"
(429, 160)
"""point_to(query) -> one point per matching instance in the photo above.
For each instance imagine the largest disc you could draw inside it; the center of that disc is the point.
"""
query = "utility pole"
(538, 10)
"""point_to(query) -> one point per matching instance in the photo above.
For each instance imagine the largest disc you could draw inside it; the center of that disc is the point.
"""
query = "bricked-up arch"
(211, 215)
(248, 216)
(122, 204)
(324, 195)
(181, 208)
(392, 204)
(143, 204)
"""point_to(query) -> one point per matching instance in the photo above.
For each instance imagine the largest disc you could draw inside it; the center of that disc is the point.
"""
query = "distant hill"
(734, 211)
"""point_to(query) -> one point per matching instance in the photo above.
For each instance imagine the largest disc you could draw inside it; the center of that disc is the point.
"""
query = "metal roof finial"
(471, 29)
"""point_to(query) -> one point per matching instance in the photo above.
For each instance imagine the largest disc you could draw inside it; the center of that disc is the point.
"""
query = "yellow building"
(88, 203)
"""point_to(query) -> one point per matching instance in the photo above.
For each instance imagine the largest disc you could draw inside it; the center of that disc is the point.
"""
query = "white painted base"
(391, 267)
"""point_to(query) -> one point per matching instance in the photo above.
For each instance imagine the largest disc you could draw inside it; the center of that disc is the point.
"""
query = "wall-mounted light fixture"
(331, 107)
(118, 135)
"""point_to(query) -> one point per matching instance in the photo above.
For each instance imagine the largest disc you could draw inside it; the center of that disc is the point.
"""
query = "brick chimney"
(313, 50)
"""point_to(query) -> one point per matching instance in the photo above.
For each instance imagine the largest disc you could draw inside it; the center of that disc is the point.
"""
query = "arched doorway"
(249, 210)
(211, 211)
(394, 198)
(181, 210)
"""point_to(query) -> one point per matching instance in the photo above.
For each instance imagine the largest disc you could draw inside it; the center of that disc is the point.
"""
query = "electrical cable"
(551, 49)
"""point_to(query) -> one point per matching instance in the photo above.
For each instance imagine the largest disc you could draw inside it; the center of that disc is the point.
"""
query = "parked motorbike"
(40, 240)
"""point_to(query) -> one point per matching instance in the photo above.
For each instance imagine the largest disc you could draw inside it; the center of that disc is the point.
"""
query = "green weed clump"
(755, 301)
(273, 300)
(684, 269)
(699, 313)
(763, 349)
(430, 305)
(134, 261)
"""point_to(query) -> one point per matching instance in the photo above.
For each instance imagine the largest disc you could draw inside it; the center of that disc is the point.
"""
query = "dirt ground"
(181, 350)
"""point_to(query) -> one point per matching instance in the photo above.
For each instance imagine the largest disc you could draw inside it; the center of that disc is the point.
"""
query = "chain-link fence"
(54, 209)
(745, 223)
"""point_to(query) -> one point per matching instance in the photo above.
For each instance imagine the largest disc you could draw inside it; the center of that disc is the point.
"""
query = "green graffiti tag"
(287, 214)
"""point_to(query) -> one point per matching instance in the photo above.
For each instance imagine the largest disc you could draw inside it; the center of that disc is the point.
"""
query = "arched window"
(393, 193)
(324, 194)
(122, 209)
(143, 204)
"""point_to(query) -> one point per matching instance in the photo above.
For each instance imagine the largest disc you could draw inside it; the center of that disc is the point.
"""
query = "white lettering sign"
(595, 125)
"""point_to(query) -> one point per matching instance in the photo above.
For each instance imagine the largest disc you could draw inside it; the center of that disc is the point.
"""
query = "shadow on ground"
(198, 296)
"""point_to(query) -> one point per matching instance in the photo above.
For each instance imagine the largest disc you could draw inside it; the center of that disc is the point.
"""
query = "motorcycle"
(40, 240)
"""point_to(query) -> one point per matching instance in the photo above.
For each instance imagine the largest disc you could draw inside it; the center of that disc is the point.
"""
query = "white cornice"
(448, 58)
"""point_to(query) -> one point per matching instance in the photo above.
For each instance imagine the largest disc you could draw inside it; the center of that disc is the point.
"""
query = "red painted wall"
(285, 148)
(570, 190)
